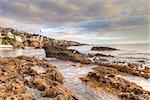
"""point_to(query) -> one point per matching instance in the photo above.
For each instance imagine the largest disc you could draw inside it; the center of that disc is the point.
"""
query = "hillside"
(20, 39)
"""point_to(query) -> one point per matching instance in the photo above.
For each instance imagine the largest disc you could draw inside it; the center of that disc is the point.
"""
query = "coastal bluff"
(20, 39)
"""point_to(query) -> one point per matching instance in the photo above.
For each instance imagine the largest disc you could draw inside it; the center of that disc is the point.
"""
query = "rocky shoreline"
(103, 49)
(20, 39)
(106, 76)
(107, 79)
(20, 73)
(63, 53)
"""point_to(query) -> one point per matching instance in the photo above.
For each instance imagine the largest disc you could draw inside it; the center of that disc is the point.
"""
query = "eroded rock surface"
(132, 69)
(107, 79)
(61, 52)
(19, 73)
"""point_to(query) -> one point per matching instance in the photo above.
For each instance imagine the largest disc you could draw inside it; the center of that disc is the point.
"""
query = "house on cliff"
(36, 37)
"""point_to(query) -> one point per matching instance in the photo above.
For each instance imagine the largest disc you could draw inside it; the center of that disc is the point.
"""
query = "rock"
(60, 52)
(137, 91)
(100, 55)
(111, 75)
(132, 69)
(37, 44)
(68, 43)
(25, 96)
(104, 78)
(141, 61)
(15, 89)
(105, 70)
(60, 92)
(19, 73)
(51, 85)
(103, 49)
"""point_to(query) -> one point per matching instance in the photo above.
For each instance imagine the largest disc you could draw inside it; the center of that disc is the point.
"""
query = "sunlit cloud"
(76, 19)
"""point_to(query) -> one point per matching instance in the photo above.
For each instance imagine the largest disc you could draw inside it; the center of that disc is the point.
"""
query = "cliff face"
(23, 39)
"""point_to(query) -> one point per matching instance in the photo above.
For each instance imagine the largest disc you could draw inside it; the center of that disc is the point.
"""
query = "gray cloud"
(76, 16)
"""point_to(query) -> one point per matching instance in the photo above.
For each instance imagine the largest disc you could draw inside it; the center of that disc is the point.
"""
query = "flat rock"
(103, 49)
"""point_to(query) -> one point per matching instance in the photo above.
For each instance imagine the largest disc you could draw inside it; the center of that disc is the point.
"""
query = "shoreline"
(108, 68)
(77, 66)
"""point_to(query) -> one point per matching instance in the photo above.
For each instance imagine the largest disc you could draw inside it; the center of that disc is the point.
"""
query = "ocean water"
(133, 53)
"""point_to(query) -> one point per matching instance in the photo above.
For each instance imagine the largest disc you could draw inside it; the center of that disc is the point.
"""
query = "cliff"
(20, 39)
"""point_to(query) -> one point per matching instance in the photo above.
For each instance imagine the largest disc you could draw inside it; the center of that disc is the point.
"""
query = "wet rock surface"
(20, 73)
(107, 79)
(100, 55)
(103, 49)
(61, 52)
(132, 69)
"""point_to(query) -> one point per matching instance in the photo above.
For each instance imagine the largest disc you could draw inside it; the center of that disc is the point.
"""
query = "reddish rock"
(132, 69)
(21, 72)
(105, 78)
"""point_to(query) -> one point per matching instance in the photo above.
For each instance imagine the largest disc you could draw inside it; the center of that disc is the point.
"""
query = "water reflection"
(72, 74)
(19, 52)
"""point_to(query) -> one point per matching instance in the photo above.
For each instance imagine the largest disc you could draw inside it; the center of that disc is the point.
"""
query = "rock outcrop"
(103, 49)
(105, 78)
(61, 52)
(132, 69)
(20, 73)
(19, 39)
(100, 55)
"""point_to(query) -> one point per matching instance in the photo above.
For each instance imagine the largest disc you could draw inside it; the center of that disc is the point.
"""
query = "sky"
(86, 21)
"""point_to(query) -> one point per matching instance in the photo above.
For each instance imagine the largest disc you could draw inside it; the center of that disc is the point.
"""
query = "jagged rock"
(105, 78)
(100, 55)
(65, 54)
(21, 72)
(59, 92)
(14, 89)
(50, 83)
(132, 69)
(103, 49)
(105, 70)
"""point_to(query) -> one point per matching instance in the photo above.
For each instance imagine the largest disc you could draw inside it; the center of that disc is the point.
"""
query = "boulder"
(60, 52)
(100, 55)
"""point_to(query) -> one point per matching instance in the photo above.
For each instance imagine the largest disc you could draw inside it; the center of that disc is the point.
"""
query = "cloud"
(80, 17)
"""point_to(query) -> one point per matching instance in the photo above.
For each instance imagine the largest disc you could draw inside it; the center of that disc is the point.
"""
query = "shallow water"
(126, 53)
(72, 71)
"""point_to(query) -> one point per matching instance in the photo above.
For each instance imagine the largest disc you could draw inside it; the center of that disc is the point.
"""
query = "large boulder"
(61, 52)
